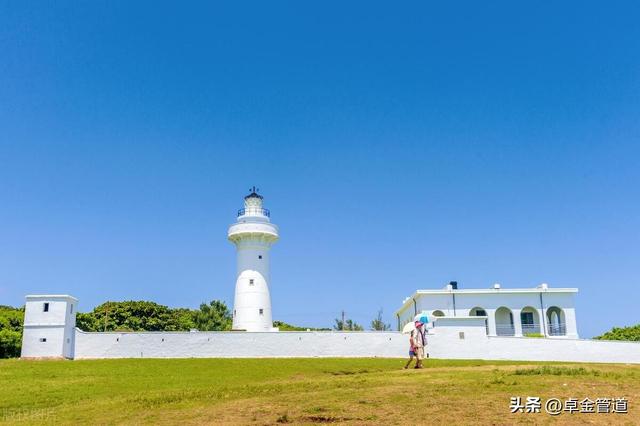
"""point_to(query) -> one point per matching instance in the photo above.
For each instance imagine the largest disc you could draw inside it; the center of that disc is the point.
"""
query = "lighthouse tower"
(253, 234)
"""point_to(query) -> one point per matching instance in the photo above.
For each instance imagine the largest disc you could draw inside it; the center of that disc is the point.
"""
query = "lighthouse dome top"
(253, 194)
(253, 207)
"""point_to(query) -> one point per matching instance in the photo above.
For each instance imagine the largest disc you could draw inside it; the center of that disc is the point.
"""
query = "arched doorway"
(556, 322)
(477, 312)
(504, 322)
(530, 320)
(480, 312)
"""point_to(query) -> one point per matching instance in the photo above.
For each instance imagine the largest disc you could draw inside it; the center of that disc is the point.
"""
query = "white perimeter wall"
(447, 342)
(444, 342)
(240, 345)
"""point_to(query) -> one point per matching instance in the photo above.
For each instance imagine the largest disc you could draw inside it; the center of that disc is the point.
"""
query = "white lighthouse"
(253, 234)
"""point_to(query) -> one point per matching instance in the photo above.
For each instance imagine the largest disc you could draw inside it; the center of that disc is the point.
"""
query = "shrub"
(283, 326)
(625, 333)
(10, 331)
(213, 317)
(550, 370)
(10, 343)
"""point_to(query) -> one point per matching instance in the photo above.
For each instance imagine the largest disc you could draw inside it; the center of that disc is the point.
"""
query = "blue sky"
(397, 146)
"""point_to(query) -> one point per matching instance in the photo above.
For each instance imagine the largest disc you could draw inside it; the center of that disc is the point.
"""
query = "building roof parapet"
(543, 288)
(499, 290)
(50, 296)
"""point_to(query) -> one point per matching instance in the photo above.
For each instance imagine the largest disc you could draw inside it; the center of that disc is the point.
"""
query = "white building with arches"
(539, 311)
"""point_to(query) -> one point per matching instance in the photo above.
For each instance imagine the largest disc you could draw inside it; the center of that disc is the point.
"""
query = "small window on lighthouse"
(251, 281)
(261, 311)
(259, 256)
(45, 307)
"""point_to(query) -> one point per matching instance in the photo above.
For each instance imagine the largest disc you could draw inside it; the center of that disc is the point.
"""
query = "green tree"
(353, 326)
(378, 324)
(622, 333)
(11, 320)
(10, 343)
(87, 321)
(349, 325)
(150, 316)
(130, 316)
(183, 319)
(213, 317)
(283, 326)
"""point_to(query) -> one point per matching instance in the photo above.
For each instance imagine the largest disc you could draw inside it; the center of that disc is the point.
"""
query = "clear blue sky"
(398, 146)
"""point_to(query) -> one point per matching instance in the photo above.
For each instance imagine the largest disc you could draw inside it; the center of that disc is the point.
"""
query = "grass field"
(303, 391)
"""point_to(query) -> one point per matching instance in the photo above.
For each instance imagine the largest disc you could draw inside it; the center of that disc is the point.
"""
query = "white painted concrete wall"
(49, 333)
(446, 342)
(52, 347)
(240, 345)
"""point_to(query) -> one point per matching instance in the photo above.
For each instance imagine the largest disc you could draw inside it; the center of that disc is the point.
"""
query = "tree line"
(631, 333)
(150, 316)
(350, 325)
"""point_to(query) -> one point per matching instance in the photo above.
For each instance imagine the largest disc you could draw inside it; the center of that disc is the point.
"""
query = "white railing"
(505, 330)
(531, 329)
(557, 329)
(552, 329)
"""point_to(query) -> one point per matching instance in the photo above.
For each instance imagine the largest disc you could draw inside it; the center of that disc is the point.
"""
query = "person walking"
(418, 342)
(412, 353)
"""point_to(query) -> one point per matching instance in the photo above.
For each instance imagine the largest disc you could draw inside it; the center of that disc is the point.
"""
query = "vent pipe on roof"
(454, 285)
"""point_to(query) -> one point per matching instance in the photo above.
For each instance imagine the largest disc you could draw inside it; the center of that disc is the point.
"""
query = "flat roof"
(50, 296)
(486, 291)
(499, 290)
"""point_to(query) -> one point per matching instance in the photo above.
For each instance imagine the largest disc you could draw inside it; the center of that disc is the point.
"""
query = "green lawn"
(302, 391)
